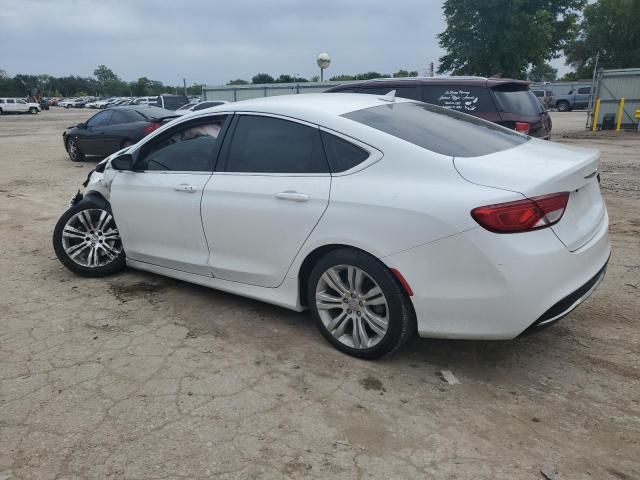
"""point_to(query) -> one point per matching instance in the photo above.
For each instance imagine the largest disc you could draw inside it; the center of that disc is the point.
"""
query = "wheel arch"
(97, 198)
(306, 266)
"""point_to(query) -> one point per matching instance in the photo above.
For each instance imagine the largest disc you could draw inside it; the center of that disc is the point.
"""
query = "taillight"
(522, 215)
(151, 127)
(523, 127)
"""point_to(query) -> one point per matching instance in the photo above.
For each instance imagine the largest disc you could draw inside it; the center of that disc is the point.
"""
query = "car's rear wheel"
(562, 106)
(359, 305)
(75, 154)
(87, 241)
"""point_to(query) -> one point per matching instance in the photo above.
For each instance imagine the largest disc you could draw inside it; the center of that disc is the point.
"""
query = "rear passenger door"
(582, 97)
(270, 190)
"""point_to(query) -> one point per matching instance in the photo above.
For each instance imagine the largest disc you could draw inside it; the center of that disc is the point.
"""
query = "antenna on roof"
(389, 97)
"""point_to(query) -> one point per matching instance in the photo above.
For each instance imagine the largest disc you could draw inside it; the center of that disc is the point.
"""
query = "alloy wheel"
(91, 239)
(73, 149)
(352, 306)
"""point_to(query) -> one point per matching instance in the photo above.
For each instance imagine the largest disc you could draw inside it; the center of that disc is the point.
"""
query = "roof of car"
(442, 80)
(308, 106)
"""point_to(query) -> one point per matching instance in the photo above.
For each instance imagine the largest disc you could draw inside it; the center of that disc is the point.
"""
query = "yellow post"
(620, 114)
(596, 114)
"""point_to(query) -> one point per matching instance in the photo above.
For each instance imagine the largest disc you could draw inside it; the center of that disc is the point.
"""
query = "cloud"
(215, 41)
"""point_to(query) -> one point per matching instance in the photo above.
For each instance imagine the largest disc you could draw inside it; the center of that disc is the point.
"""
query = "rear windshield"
(438, 129)
(520, 101)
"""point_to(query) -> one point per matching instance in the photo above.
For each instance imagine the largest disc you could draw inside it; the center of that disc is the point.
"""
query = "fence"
(611, 86)
(235, 93)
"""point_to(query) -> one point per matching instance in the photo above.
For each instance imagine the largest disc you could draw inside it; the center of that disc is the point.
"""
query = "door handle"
(183, 187)
(294, 196)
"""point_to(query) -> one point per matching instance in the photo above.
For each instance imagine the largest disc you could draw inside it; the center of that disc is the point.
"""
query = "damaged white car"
(383, 216)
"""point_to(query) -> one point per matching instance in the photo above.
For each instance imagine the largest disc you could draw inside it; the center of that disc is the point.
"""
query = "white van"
(18, 105)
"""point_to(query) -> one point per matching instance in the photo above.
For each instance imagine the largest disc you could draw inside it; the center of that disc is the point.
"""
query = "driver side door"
(157, 206)
(91, 138)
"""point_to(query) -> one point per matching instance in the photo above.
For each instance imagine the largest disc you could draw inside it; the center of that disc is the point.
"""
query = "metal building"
(610, 87)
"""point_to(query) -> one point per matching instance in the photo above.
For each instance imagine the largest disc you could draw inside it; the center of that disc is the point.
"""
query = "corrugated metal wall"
(611, 86)
(235, 93)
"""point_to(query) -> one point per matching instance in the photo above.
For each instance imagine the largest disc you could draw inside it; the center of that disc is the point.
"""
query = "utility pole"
(431, 69)
(184, 83)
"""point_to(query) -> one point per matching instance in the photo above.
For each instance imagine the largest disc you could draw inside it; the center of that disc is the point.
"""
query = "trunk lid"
(539, 168)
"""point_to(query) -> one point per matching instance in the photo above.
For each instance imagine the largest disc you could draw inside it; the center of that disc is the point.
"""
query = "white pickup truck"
(18, 105)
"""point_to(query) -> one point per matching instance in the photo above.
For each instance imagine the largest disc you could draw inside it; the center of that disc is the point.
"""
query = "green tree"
(284, 78)
(262, 78)
(238, 81)
(405, 73)
(104, 74)
(486, 37)
(542, 72)
(611, 27)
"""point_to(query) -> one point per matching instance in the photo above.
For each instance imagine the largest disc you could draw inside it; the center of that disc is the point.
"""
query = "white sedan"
(383, 216)
(194, 107)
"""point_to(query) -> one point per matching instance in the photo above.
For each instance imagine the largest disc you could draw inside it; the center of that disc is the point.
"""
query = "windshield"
(438, 129)
(520, 101)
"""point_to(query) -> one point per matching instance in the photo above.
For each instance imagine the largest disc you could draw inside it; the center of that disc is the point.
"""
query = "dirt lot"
(139, 376)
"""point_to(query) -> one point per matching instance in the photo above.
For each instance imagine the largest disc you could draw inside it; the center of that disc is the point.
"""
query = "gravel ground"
(139, 376)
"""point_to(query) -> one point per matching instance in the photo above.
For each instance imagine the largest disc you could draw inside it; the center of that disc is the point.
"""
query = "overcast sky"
(214, 41)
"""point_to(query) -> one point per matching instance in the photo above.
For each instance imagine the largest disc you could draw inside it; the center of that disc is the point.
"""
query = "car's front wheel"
(562, 106)
(75, 154)
(359, 305)
(33, 110)
(87, 241)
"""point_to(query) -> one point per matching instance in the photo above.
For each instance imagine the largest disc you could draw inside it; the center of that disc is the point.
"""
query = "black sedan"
(113, 129)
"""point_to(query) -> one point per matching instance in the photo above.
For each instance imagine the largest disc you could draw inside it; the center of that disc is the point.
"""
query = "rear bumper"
(569, 303)
(481, 285)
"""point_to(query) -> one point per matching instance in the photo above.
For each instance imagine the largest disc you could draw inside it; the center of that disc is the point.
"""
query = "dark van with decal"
(507, 102)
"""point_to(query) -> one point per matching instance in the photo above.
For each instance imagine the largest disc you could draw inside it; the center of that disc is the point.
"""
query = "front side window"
(187, 148)
(100, 120)
(438, 129)
(272, 145)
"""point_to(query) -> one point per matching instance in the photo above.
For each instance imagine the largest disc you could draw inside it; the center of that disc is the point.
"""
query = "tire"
(562, 106)
(33, 111)
(75, 154)
(339, 308)
(89, 254)
(1, 112)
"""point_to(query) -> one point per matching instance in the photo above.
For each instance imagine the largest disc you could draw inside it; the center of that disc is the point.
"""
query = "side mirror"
(122, 162)
(81, 125)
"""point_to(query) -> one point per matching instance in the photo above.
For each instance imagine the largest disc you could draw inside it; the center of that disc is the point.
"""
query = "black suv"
(507, 102)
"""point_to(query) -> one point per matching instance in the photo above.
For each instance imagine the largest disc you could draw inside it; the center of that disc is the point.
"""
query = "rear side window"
(520, 101)
(342, 155)
(438, 129)
(584, 90)
(465, 99)
(403, 91)
(272, 145)
(119, 117)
